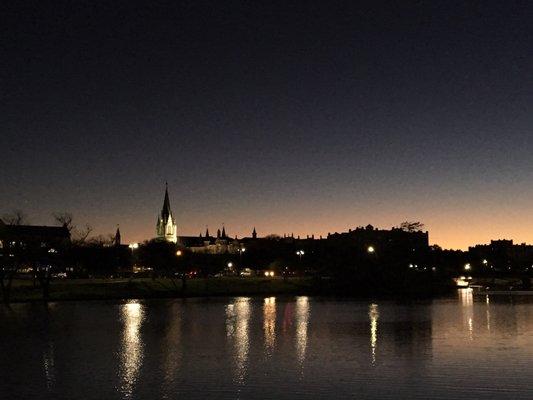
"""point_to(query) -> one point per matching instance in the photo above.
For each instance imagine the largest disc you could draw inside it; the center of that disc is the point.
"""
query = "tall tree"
(409, 226)
(78, 235)
(64, 219)
(16, 217)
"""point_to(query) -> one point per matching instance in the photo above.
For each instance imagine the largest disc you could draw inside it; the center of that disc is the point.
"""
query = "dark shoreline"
(163, 288)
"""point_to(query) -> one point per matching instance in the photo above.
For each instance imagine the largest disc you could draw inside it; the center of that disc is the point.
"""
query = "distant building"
(26, 235)
(365, 238)
(166, 229)
(166, 224)
(375, 239)
(208, 244)
(502, 255)
(21, 244)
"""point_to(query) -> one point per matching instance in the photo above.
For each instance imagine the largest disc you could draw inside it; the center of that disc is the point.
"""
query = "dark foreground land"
(24, 290)
(141, 288)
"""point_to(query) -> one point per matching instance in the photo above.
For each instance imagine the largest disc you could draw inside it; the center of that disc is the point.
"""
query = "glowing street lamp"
(179, 253)
(485, 262)
(133, 246)
(241, 250)
(371, 249)
(468, 267)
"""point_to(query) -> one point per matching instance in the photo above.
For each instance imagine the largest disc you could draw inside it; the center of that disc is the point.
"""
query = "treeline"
(340, 265)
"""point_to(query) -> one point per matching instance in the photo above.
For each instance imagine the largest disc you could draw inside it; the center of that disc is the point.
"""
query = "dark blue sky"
(305, 117)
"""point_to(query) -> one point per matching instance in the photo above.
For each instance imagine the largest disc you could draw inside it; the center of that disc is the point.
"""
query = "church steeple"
(117, 237)
(254, 234)
(165, 212)
(206, 232)
(223, 232)
(166, 225)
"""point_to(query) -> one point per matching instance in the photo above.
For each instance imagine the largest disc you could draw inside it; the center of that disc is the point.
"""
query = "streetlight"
(133, 247)
(485, 262)
(468, 267)
(300, 253)
(371, 249)
(241, 250)
(179, 253)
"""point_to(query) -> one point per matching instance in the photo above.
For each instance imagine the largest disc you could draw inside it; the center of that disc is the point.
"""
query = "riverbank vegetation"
(141, 288)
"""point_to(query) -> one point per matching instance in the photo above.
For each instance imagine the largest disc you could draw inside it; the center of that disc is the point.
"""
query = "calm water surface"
(285, 348)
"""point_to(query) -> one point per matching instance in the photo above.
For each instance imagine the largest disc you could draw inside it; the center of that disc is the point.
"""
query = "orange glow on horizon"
(448, 227)
(447, 238)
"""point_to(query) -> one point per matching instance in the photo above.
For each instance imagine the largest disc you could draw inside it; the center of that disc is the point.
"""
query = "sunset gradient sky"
(308, 117)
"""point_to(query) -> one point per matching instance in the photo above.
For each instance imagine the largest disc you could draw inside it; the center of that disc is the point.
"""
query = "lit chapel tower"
(166, 224)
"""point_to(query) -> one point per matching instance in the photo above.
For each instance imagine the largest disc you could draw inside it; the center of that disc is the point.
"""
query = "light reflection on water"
(467, 300)
(172, 345)
(373, 314)
(487, 314)
(269, 323)
(463, 347)
(302, 320)
(237, 320)
(131, 354)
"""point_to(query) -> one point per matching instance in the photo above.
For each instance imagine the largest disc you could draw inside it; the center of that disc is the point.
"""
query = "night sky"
(305, 117)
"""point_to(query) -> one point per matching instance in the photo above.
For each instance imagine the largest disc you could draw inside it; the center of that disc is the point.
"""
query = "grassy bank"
(92, 289)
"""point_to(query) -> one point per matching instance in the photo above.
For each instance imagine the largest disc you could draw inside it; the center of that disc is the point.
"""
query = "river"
(461, 347)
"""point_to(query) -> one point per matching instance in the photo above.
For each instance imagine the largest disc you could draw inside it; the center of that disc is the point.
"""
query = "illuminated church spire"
(165, 212)
(166, 224)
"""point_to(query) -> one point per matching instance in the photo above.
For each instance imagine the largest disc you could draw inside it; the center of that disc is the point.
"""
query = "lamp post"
(241, 250)
(300, 254)
(133, 247)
